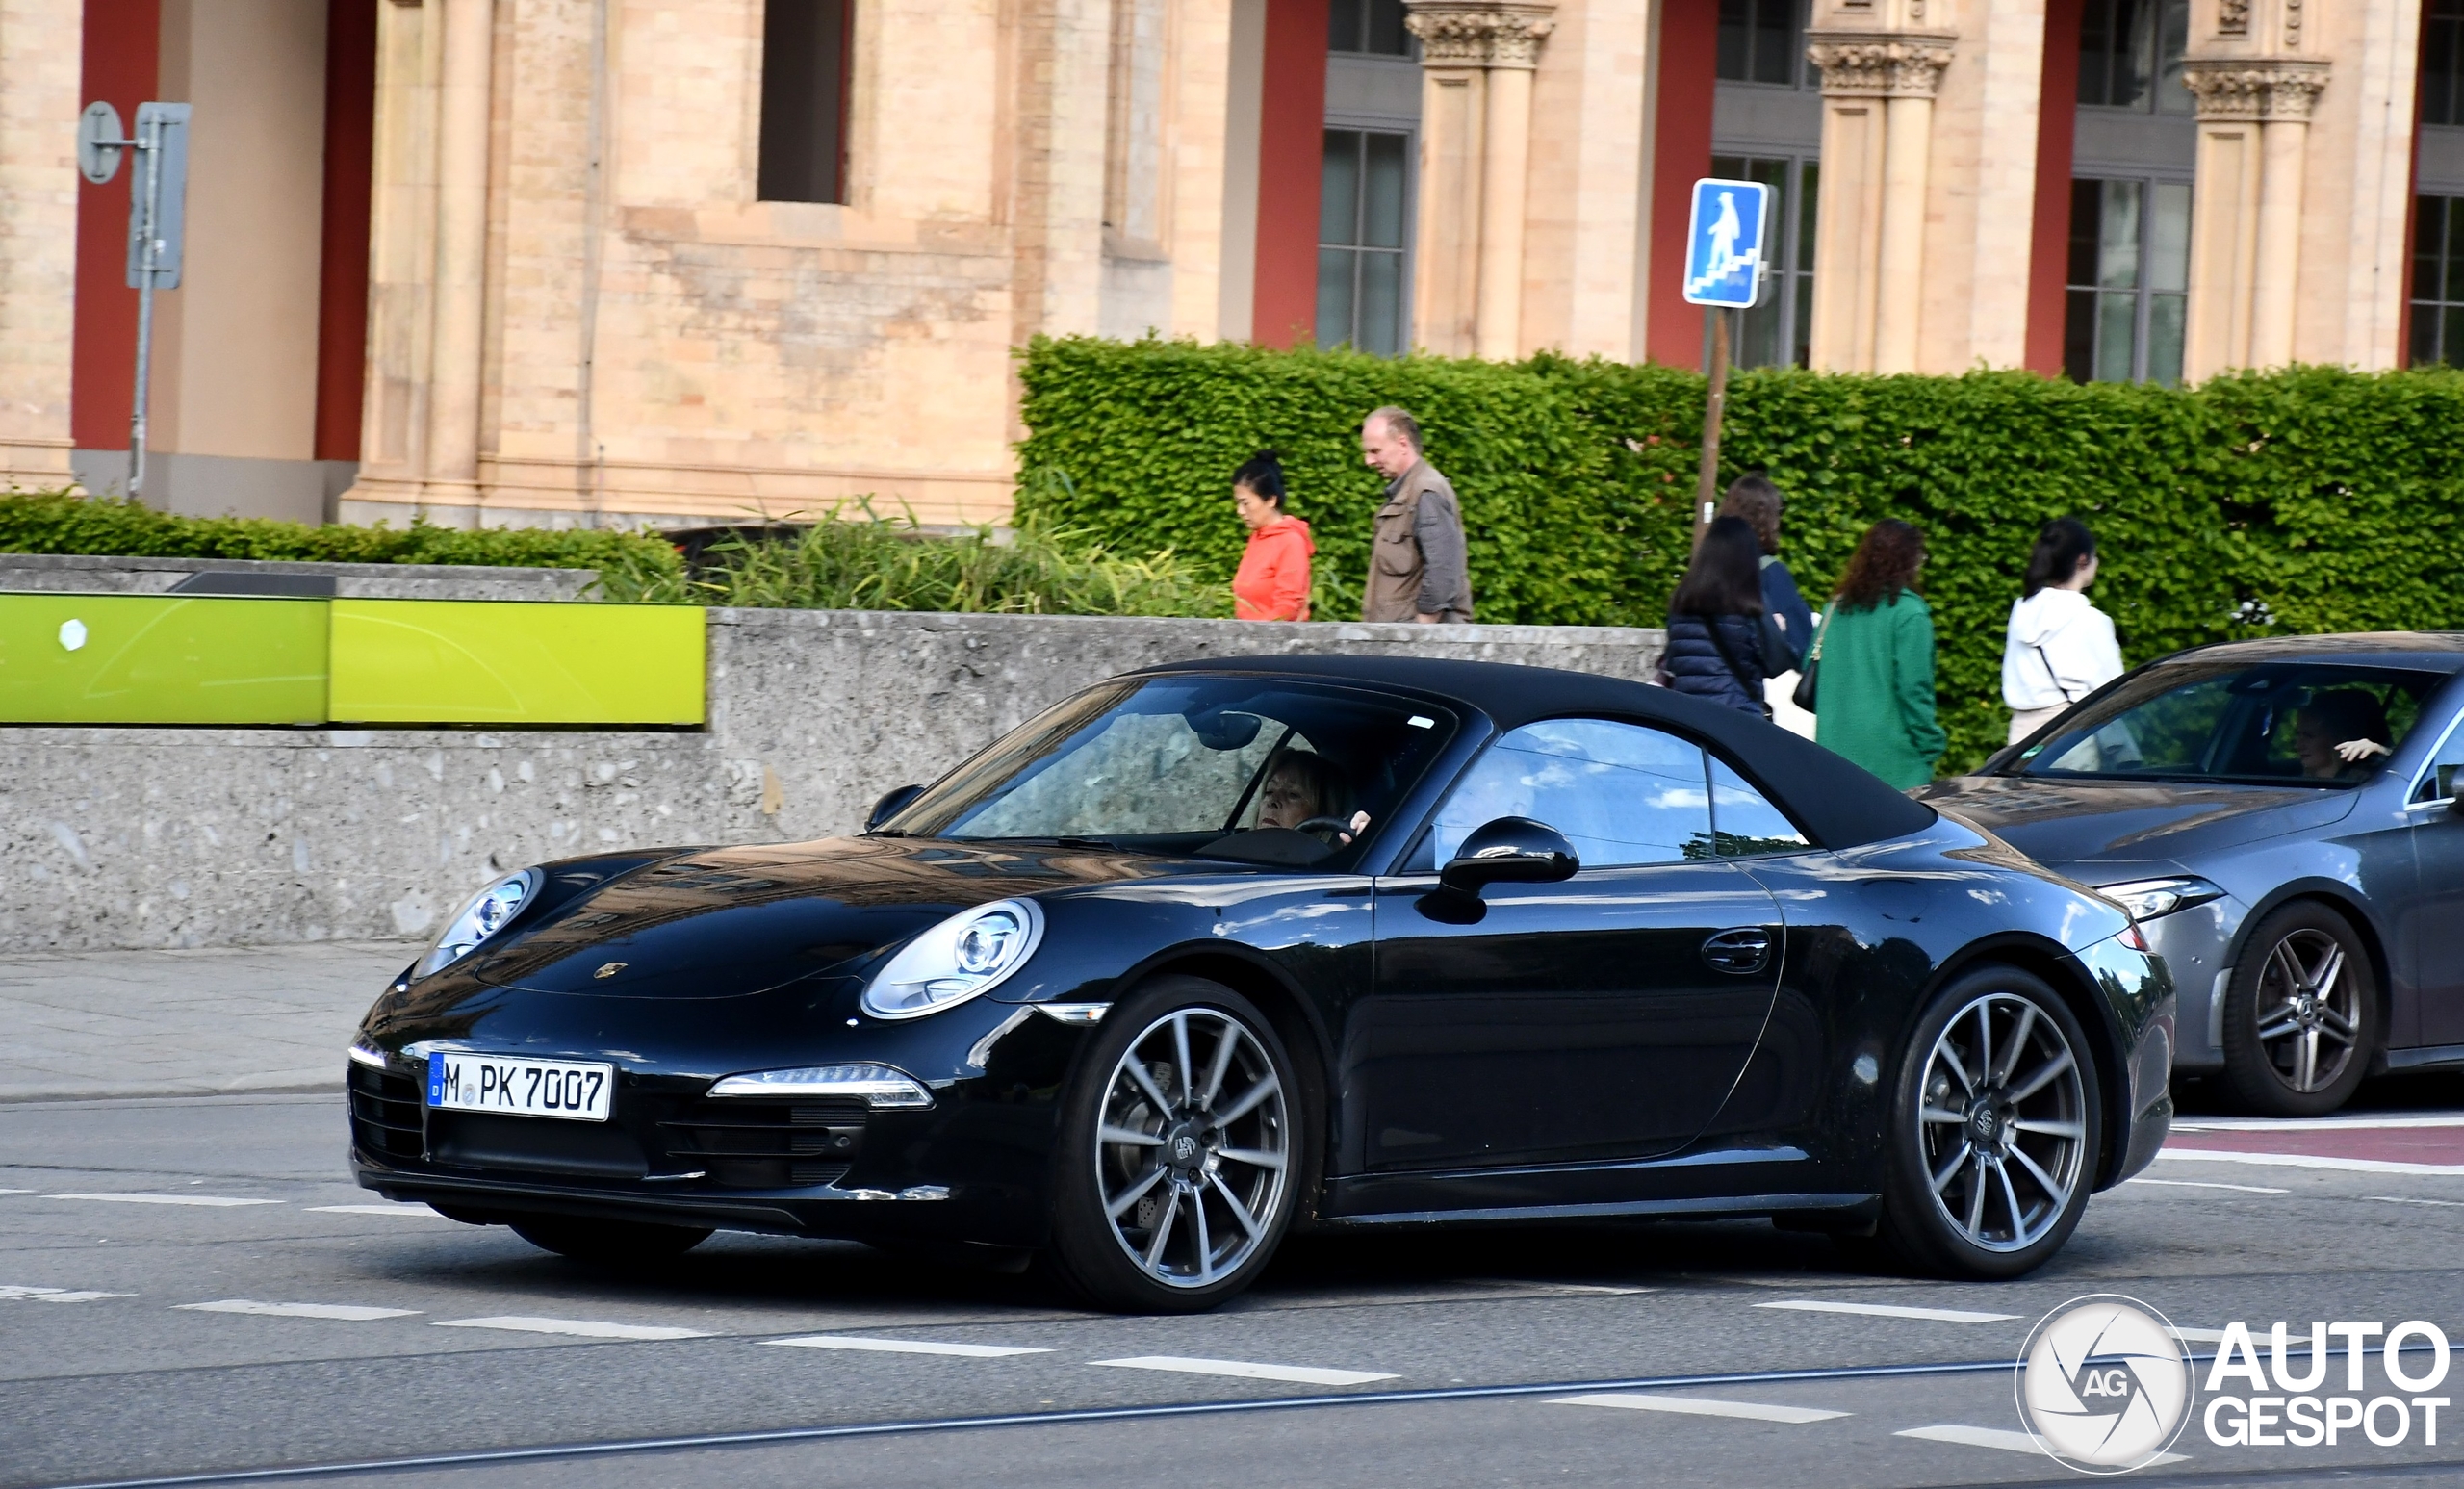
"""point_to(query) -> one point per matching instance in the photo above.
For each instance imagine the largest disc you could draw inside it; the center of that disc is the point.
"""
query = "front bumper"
(2196, 943)
(2137, 988)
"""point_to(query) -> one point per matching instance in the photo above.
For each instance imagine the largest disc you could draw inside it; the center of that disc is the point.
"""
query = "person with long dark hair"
(2060, 648)
(1722, 645)
(1272, 583)
(1753, 497)
(1876, 703)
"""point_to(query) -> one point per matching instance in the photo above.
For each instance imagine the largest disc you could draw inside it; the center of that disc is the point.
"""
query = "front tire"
(2300, 1015)
(1995, 1128)
(1183, 1147)
(617, 1244)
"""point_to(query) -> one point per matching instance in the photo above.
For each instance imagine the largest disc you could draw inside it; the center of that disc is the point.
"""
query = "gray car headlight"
(483, 916)
(967, 955)
(2145, 899)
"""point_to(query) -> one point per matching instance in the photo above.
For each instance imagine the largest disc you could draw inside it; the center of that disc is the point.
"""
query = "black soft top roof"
(1840, 804)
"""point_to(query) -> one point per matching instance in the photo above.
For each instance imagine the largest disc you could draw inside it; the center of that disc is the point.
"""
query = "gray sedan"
(2281, 818)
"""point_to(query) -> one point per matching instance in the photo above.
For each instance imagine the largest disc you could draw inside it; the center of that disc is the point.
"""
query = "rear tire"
(612, 1244)
(1184, 1152)
(2300, 1015)
(1995, 1130)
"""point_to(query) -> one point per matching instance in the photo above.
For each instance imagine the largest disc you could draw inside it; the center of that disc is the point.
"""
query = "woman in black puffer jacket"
(1721, 646)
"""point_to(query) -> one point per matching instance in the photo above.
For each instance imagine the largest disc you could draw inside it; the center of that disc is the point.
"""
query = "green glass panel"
(160, 659)
(449, 661)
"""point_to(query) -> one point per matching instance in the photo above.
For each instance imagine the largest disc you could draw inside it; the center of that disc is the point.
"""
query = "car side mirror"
(891, 803)
(1510, 850)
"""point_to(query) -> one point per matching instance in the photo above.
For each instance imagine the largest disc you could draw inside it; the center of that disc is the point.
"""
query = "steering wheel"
(1340, 826)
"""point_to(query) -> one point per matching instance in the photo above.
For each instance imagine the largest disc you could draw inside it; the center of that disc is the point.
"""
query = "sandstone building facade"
(679, 260)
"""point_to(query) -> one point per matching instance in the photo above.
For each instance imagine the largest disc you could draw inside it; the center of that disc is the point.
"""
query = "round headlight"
(965, 956)
(482, 916)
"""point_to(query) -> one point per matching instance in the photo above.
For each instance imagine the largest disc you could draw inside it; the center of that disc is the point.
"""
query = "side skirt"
(1694, 1209)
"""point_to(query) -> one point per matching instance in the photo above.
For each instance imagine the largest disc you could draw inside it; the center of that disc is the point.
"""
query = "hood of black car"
(727, 922)
(2067, 822)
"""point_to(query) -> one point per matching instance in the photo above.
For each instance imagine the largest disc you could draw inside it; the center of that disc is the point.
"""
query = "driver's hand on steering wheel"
(1359, 825)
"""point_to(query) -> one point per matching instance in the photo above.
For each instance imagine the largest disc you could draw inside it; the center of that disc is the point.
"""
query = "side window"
(1743, 820)
(2438, 782)
(1622, 794)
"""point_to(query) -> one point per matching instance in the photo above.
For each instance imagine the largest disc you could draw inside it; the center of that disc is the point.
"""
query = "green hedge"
(2306, 501)
(64, 522)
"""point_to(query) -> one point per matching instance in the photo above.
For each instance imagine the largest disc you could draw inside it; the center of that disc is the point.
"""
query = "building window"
(2130, 55)
(1374, 27)
(2438, 280)
(804, 99)
(2443, 63)
(1779, 330)
(1761, 41)
(2130, 258)
(1363, 217)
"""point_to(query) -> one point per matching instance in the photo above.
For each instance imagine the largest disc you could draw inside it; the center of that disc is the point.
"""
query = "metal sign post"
(157, 224)
(1724, 267)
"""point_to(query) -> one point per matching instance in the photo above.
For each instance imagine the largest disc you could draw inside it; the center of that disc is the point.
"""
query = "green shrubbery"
(60, 522)
(2312, 499)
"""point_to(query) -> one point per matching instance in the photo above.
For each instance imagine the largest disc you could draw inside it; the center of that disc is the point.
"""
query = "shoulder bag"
(1803, 697)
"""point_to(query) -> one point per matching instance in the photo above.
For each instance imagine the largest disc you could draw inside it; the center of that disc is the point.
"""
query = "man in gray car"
(1416, 565)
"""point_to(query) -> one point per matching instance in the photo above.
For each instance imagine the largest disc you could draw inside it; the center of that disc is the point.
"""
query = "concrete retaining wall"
(113, 837)
(117, 576)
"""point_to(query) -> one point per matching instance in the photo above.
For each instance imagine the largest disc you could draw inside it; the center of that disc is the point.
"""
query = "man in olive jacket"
(1416, 566)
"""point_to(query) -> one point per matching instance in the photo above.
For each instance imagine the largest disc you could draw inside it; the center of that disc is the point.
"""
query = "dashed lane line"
(35, 1295)
(906, 1347)
(2310, 1160)
(415, 1211)
(349, 1312)
(208, 1201)
(581, 1328)
(2399, 1199)
(2246, 1189)
(1249, 1369)
(1699, 1407)
(1890, 1311)
(2004, 1439)
(21, 1192)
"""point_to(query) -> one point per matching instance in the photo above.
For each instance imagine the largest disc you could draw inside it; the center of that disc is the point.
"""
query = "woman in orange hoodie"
(1273, 580)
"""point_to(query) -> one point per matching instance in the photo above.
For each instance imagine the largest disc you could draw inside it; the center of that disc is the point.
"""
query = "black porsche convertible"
(1216, 950)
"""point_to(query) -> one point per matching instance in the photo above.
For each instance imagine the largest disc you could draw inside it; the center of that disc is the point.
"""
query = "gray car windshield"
(1269, 772)
(2321, 724)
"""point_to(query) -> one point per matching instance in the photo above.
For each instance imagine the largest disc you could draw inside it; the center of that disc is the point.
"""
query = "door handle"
(1741, 951)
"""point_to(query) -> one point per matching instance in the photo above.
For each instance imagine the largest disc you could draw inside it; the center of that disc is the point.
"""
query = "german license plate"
(510, 1085)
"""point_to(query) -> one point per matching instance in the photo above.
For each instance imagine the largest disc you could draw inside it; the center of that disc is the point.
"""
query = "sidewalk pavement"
(184, 1023)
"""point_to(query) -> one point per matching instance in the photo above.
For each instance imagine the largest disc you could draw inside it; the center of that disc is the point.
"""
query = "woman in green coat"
(1874, 690)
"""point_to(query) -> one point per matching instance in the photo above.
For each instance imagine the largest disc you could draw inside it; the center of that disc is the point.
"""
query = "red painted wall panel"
(1689, 55)
(1292, 147)
(342, 290)
(2057, 125)
(122, 45)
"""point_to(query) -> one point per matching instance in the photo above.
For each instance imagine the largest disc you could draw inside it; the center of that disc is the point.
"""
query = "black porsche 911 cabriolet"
(1217, 949)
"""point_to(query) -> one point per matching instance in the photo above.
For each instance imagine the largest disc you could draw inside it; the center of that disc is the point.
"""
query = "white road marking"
(21, 1192)
(2007, 1441)
(421, 1212)
(2309, 1161)
(2246, 1189)
(1698, 1406)
(35, 1295)
(1572, 1289)
(352, 1313)
(906, 1347)
(1890, 1311)
(1309, 1374)
(213, 1201)
(2399, 1200)
(2313, 1124)
(2199, 1336)
(585, 1328)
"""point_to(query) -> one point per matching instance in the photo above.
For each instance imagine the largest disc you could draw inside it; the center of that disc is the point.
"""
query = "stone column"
(1478, 58)
(452, 454)
(2245, 224)
(1869, 246)
(39, 196)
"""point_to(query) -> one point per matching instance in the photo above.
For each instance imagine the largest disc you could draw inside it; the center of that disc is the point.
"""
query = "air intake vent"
(751, 1144)
(384, 1112)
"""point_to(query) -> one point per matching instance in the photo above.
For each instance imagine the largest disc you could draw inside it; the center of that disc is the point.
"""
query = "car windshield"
(1269, 772)
(2321, 724)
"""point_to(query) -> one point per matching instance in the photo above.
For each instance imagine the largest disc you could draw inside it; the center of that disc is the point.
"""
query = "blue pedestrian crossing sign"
(1724, 239)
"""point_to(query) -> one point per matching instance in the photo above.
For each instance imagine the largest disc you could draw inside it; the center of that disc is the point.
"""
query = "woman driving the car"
(1306, 786)
(2337, 733)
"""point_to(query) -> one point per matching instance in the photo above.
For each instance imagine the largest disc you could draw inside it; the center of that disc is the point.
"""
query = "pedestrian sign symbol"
(1724, 243)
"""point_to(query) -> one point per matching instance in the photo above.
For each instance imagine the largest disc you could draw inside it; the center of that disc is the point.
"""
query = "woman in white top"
(2061, 648)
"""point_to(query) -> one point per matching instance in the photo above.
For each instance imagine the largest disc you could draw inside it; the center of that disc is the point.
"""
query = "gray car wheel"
(2300, 1014)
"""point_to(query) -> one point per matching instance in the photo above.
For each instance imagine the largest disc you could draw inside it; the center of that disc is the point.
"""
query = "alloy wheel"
(2307, 1018)
(1192, 1147)
(2002, 1125)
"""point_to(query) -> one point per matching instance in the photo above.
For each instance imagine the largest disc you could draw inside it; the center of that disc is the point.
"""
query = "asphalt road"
(192, 1288)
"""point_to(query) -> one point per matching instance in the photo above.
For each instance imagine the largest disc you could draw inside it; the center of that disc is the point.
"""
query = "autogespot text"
(2290, 1399)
